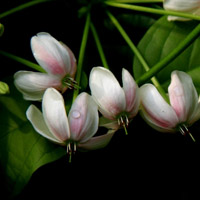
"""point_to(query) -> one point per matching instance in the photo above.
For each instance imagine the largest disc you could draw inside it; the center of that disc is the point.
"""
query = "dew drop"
(76, 114)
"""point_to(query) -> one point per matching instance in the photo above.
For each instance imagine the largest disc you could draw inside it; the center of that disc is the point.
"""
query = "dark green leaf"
(22, 150)
(160, 40)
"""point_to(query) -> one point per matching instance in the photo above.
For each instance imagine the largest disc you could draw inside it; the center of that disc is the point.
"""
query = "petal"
(97, 142)
(107, 92)
(131, 93)
(73, 63)
(183, 95)
(36, 118)
(155, 109)
(51, 54)
(196, 114)
(83, 118)
(55, 114)
(191, 6)
(33, 84)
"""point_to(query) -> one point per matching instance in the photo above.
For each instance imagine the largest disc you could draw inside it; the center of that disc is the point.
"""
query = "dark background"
(142, 165)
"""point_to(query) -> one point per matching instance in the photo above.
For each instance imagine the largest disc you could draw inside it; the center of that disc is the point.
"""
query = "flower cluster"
(117, 105)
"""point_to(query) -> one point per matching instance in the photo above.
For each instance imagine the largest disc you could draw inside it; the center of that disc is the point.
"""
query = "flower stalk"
(152, 10)
(81, 54)
(99, 46)
(137, 54)
(21, 7)
(23, 61)
(136, 1)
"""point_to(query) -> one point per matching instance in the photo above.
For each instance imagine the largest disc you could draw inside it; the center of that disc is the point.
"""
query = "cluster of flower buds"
(118, 105)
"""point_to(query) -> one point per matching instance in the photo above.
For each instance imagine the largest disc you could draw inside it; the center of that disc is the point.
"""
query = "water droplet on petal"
(76, 114)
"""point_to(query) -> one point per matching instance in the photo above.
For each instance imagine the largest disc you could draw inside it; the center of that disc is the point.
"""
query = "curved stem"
(137, 54)
(81, 54)
(136, 1)
(171, 56)
(21, 7)
(152, 10)
(23, 61)
(99, 46)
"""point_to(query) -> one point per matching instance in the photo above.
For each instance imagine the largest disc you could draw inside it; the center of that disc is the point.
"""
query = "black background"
(145, 163)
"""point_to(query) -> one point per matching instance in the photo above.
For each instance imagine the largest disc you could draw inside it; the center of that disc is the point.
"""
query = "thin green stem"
(99, 46)
(137, 53)
(21, 7)
(23, 61)
(152, 10)
(125, 129)
(136, 1)
(81, 54)
(171, 56)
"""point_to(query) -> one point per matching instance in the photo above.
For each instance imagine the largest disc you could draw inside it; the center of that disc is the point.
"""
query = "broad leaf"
(22, 150)
(160, 40)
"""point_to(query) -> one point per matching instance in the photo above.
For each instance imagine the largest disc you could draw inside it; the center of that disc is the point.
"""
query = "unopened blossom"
(56, 59)
(183, 110)
(4, 88)
(1, 29)
(187, 6)
(116, 103)
(75, 130)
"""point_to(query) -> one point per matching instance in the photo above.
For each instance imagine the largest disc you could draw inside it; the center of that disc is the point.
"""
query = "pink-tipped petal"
(183, 95)
(73, 63)
(83, 118)
(55, 115)
(155, 109)
(131, 93)
(107, 92)
(196, 114)
(37, 120)
(33, 84)
(51, 54)
(97, 142)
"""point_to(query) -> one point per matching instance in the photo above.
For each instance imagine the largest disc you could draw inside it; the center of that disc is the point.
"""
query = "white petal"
(107, 92)
(83, 118)
(36, 118)
(51, 54)
(155, 109)
(188, 6)
(183, 95)
(98, 141)
(55, 114)
(196, 114)
(33, 84)
(181, 5)
(131, 92)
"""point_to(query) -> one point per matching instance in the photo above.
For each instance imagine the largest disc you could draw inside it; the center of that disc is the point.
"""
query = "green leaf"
(162, 37)
(22, 150)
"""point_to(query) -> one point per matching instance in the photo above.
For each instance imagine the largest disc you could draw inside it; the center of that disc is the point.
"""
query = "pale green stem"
(184, 131)
(99, 46)
(23, 61)
(81, 54)
(125, 129)
(21, 7)
(171, 56)
(136, 1)
(152, 10)
(137, 54)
